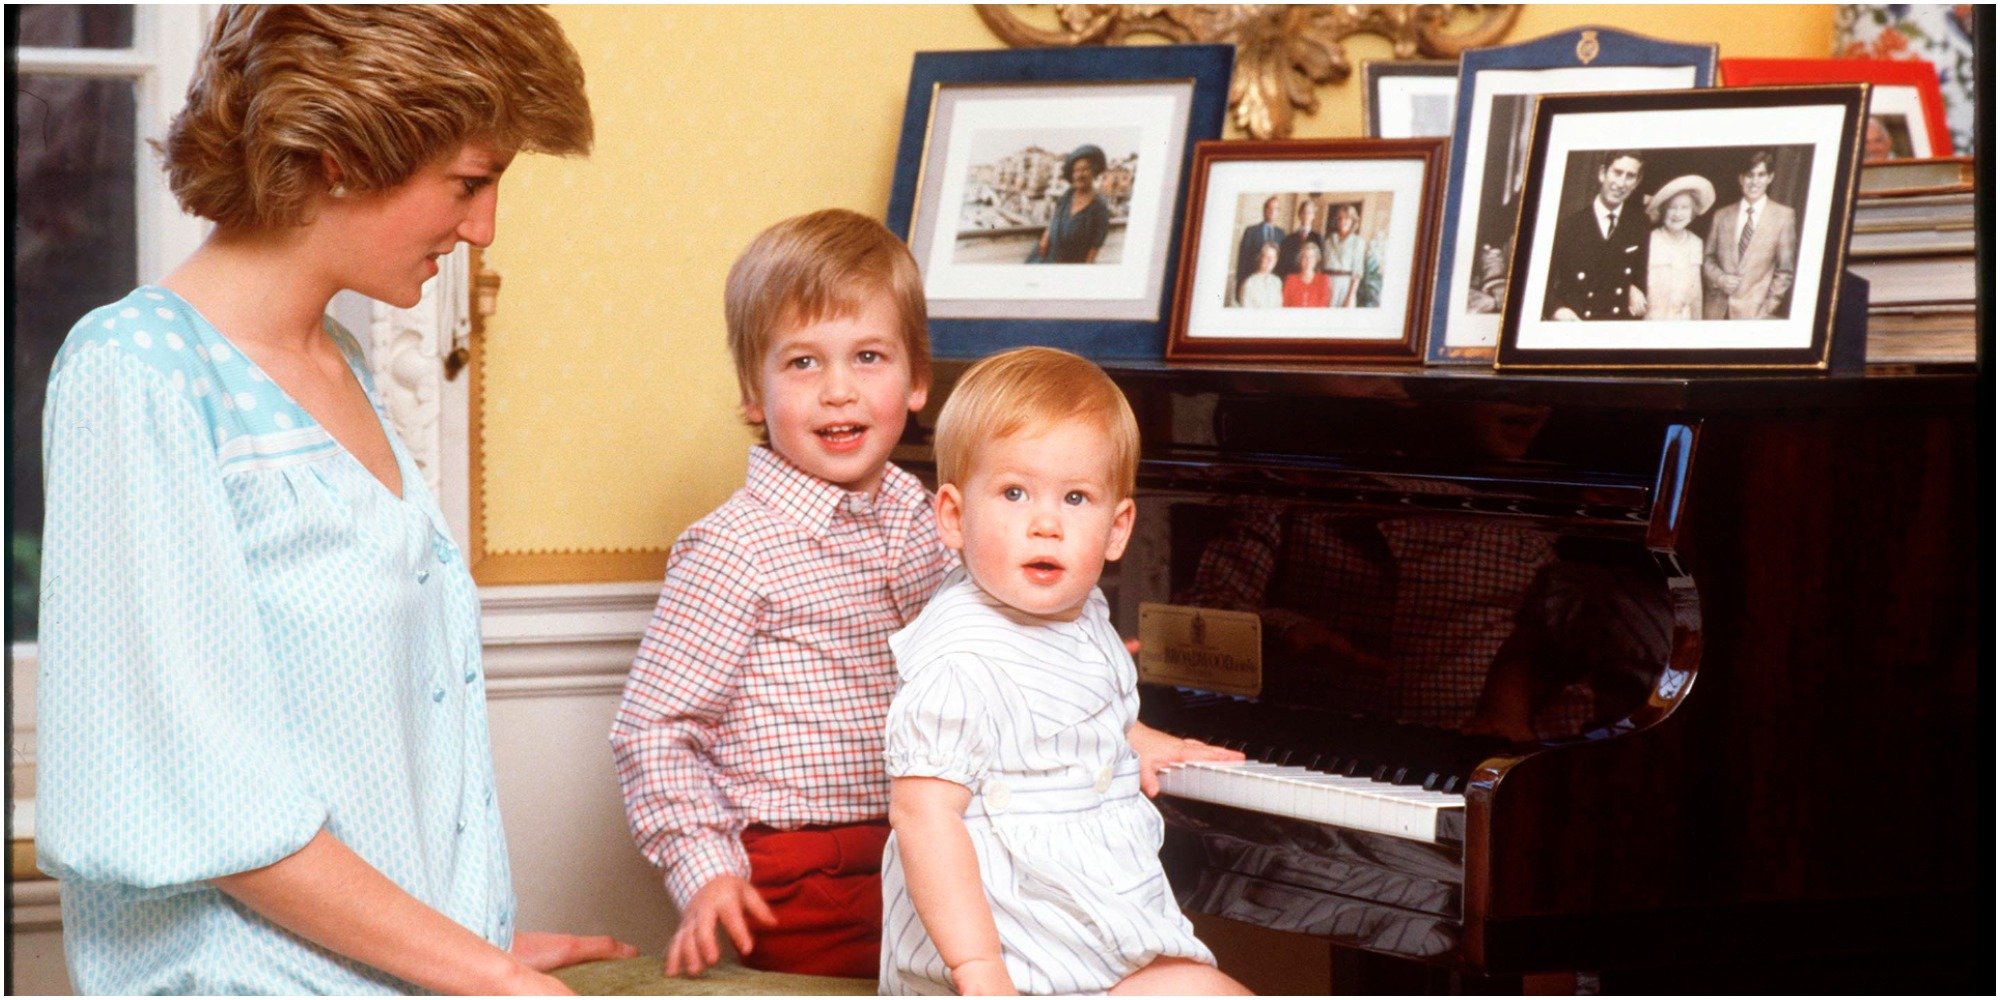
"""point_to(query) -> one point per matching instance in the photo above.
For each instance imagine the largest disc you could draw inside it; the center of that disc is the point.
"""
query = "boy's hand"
(729, 900)
(544, 952)
(1158, 751)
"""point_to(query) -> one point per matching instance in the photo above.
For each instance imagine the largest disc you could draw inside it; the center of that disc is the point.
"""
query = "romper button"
(998, 795)
(1103, 782)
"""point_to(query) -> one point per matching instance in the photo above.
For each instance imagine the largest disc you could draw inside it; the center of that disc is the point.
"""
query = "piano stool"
(631, 977)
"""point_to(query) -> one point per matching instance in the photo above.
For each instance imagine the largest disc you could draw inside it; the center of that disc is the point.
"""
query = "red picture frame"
(1881, 73)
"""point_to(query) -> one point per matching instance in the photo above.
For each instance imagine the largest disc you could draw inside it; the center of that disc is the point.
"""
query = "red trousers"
(824, 884)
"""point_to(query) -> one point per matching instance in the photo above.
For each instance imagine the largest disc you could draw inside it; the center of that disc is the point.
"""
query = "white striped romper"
(1031, 715)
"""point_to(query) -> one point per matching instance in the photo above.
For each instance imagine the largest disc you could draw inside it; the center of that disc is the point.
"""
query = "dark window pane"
(75, 248)
(76, 26)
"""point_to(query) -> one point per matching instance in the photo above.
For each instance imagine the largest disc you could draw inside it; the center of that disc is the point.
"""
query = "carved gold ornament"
(1283, 52)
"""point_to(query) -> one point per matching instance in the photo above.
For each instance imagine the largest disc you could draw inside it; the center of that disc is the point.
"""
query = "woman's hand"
(1158, 751)
(545, 952)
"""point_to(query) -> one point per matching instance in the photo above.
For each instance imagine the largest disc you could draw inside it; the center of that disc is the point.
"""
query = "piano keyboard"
(1354, 803)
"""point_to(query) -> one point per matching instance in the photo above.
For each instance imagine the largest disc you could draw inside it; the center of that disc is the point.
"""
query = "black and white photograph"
(1729, 245)
(1299, 246)
(1409, 99)
(1496, 99)
(1052, 201)
(1047, 196)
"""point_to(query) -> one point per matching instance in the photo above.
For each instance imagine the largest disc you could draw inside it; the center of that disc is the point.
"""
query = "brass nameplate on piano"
(1185, 646)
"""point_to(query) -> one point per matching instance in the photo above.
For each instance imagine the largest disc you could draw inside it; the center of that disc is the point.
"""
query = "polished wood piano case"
(1713, 689)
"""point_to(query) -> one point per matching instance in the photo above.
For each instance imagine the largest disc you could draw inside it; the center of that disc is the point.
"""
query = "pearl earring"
(338, 190)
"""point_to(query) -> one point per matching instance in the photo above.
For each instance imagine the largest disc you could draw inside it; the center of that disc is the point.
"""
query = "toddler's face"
(1036, 518)
(834, 394)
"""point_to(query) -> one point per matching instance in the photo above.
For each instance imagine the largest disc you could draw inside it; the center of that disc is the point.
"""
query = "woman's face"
(385, 244)
(1679, 212)
(1082, 175)
(1343, 220)
(1309, 259)
(1267, 259)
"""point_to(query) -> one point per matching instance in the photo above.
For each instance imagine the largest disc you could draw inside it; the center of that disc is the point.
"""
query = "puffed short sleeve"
(939, 727)
(162, 755)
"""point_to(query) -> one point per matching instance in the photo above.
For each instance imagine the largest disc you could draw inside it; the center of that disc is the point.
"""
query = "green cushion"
(629, 977)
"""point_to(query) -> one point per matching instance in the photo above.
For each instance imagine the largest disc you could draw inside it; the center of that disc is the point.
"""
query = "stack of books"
(1912, 239)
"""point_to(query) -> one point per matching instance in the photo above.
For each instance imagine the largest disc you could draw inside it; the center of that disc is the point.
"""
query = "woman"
(1673, 271)
(1308, 287)
(1263, 290)
(1346, 254)
(264, 763)
(1081, 221)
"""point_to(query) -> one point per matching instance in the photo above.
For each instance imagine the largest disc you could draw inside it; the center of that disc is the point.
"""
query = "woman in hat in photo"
(1081, 220)
(1673, 275)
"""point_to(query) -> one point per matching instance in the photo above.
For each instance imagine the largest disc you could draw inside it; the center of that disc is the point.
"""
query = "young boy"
(749, 738)
(1025, 856)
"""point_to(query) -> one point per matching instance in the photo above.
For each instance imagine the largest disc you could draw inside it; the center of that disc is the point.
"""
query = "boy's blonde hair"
(1032, 389)
(380, 90)
(823, 265)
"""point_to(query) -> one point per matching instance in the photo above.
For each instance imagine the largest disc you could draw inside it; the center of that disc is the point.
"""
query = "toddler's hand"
(728, 900)
(1158, 751)
(983, 977)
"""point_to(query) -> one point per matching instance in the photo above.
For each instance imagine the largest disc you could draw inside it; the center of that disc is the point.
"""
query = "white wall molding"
(562, 640)
(34, 905)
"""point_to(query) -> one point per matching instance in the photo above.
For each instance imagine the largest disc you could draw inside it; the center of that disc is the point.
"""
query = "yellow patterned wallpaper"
(609, 417)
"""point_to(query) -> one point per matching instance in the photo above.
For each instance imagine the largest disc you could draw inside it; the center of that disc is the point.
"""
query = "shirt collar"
(1756, 206)
(812, 502)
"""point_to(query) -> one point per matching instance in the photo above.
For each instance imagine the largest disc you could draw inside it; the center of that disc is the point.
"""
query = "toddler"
(1024, 855)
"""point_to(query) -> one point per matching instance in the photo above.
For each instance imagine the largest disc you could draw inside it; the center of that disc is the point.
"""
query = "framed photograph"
(1905, 104)
(1489, 156)
(1308, 250)
(1039, 190)
(1684, 229)
(1409, 99)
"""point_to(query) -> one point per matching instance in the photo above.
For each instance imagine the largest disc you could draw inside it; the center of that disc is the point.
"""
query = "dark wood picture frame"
(1813, 130)
(1203, 288)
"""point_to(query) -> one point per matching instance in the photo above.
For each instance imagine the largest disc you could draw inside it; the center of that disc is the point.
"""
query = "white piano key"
(1358, 803)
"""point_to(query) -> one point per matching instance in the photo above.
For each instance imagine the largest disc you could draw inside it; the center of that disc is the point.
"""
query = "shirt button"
(1103, 782)
(471, 675)
(461, 826)
(998, 794)
(422, 575)
(437, 694)
(857, 503)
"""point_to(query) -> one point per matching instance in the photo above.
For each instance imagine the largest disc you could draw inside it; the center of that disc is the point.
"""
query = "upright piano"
(1677, 682)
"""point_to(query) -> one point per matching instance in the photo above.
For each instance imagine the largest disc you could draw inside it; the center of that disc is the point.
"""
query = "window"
(91, 213)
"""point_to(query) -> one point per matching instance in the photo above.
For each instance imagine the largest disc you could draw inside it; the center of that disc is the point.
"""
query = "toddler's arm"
(1158, 751)
(943, 876)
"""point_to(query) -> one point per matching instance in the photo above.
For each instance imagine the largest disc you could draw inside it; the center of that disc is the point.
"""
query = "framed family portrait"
(1308, 250)
(1497, 88)
(1692, 229)
(1409, 99)
(1905, 103)
(1039, 190)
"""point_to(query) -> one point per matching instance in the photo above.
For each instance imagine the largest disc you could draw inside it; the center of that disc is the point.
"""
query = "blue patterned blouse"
(245, 639)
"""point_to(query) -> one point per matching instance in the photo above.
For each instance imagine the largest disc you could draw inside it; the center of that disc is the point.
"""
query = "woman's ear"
(950, 506)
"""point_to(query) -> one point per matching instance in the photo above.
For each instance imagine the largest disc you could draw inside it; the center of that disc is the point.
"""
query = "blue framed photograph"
(1041, 191)
(1494, 127)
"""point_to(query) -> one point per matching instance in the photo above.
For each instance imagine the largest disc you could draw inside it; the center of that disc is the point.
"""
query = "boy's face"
(1036, 518)
(833, 394)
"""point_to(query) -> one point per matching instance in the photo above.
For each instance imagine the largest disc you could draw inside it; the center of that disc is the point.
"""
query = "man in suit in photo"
(1307, 231)
(1752, 253)
(1254, 238)
(1597, 266)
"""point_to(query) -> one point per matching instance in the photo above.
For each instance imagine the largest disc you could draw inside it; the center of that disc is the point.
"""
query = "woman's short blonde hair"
(1031, 389)
(822, 265)
(380, 90)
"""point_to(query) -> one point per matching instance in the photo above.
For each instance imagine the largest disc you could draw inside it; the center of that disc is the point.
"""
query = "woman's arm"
(328, 895)
(942, 873)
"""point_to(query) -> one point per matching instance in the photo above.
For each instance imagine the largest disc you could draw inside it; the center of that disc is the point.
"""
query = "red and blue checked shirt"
(761, 687)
